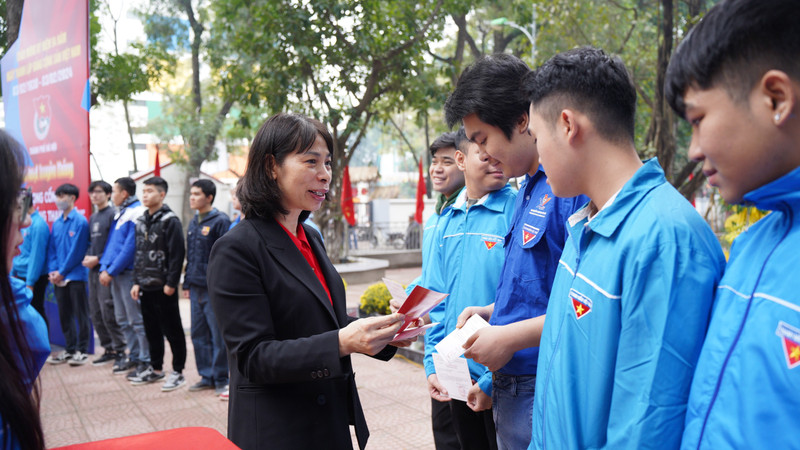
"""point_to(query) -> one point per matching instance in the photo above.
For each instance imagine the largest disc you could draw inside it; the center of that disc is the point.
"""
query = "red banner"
(45, 80)
(348, 208)
(421, 191)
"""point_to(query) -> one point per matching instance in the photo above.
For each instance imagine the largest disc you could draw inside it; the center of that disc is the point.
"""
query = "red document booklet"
(415, 305)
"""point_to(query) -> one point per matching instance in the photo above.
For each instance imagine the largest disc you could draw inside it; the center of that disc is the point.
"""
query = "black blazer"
(289, 388)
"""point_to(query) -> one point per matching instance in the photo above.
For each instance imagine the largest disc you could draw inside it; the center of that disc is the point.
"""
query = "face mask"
(62, 205)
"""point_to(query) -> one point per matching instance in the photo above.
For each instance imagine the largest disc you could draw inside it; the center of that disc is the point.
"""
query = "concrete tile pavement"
(87, 403)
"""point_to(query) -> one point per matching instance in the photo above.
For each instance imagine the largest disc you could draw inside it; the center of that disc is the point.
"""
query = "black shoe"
(149, 375)
(135, 373)
(106, 358)
(122, 364)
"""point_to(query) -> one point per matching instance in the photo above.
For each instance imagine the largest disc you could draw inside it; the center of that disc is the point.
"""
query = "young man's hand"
(55, 277)
(437, 391)
(484, 311)
(135, 292)
(168, 290)
(105, 278)
(489, 346)
(90, 261)
(477, 400)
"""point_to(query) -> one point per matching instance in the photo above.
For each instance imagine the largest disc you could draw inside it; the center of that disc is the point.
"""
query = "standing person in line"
(448, 181)
(101, 305)
(66, 251)
(31, 264)
(116, 270)
(157, 271)
(281, 304)
(488, 101)
(23, 334)
(470, 237)
(208, 225)
(736, 79)
(632, 295)
(236, 205)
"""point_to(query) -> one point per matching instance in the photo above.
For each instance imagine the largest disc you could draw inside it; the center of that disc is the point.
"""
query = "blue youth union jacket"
(627, 314)
(68, 245)
(746, 391)
(468, 264)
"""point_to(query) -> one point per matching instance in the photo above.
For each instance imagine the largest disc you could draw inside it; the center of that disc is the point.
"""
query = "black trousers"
(162, 318)
(73, 306)
(39, 289)
(475, 430)
(444, 433)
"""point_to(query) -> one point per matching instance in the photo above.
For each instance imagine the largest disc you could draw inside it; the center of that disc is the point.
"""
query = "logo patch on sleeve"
(790, 338)
(529, 232)
(581, 304)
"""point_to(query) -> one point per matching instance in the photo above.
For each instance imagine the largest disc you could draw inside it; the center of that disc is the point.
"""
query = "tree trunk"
(13, 18)
(130, 134)
(663, 117)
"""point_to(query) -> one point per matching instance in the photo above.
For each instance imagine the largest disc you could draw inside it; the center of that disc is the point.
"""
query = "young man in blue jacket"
(31, 264)
(632, 294)
(101, 303)
(116, 270)
(448, 181)
(489, 102)
(470, 237)
(206, 227)
(66, 251)
(736, 79)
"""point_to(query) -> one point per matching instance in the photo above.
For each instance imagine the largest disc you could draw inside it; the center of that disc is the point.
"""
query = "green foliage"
(376, 299)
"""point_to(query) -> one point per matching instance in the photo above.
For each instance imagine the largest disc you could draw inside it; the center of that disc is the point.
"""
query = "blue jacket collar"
(648, 177)
(489, 201)
(781, 194)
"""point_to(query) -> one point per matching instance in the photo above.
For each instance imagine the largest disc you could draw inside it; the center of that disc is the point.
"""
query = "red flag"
(157, 170)
(421, 191)
(348, 209)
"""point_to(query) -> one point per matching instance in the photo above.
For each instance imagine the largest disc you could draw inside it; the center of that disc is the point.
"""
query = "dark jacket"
(159, 250)
(99, 228)
(289, 387)
(199, 239)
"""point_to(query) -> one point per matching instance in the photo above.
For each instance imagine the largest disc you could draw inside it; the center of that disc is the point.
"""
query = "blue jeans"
(209, 348)
(129, 317)
(512, 404)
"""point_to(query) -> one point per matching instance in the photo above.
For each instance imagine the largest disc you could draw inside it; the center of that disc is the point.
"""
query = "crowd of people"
(120, 271)
(614, 319)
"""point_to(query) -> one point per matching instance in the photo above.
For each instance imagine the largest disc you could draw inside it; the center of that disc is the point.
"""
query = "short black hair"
(68, 189)
(591, 81)
(208, 187)
(102, 185)
(490, 88)
(280, 136)
(127, 184)
(462, 141)
(158, 182)
(733, 46)
(446, 140)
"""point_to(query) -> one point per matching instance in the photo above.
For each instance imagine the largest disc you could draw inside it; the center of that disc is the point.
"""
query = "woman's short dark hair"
(281, 135)
(19, 412)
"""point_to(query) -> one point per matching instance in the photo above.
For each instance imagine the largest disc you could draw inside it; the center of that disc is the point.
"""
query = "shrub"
(375, 300)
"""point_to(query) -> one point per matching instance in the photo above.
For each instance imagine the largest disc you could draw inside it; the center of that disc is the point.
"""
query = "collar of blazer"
(288, 255)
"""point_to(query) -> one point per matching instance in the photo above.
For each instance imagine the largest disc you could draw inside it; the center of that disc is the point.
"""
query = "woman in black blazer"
(280, 303)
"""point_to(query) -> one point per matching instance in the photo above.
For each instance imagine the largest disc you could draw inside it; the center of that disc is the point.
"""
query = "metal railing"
(384, 236)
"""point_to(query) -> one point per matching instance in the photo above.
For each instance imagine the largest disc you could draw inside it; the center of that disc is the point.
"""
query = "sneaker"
(134, 374)
(106, 358)
(60, 358)
(78, 359)
(201, 385)
(224, 396)
(149, 375)
(122, 364)
(174, 381)
(219, 390)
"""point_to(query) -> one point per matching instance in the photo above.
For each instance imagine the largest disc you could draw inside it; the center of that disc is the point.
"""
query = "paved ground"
(81, 404)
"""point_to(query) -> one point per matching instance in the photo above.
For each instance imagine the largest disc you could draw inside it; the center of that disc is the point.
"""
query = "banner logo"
(790, 338)
(581, 304)
(42, 115)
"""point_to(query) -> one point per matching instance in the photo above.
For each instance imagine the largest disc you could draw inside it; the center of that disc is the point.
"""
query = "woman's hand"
(369, 336)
